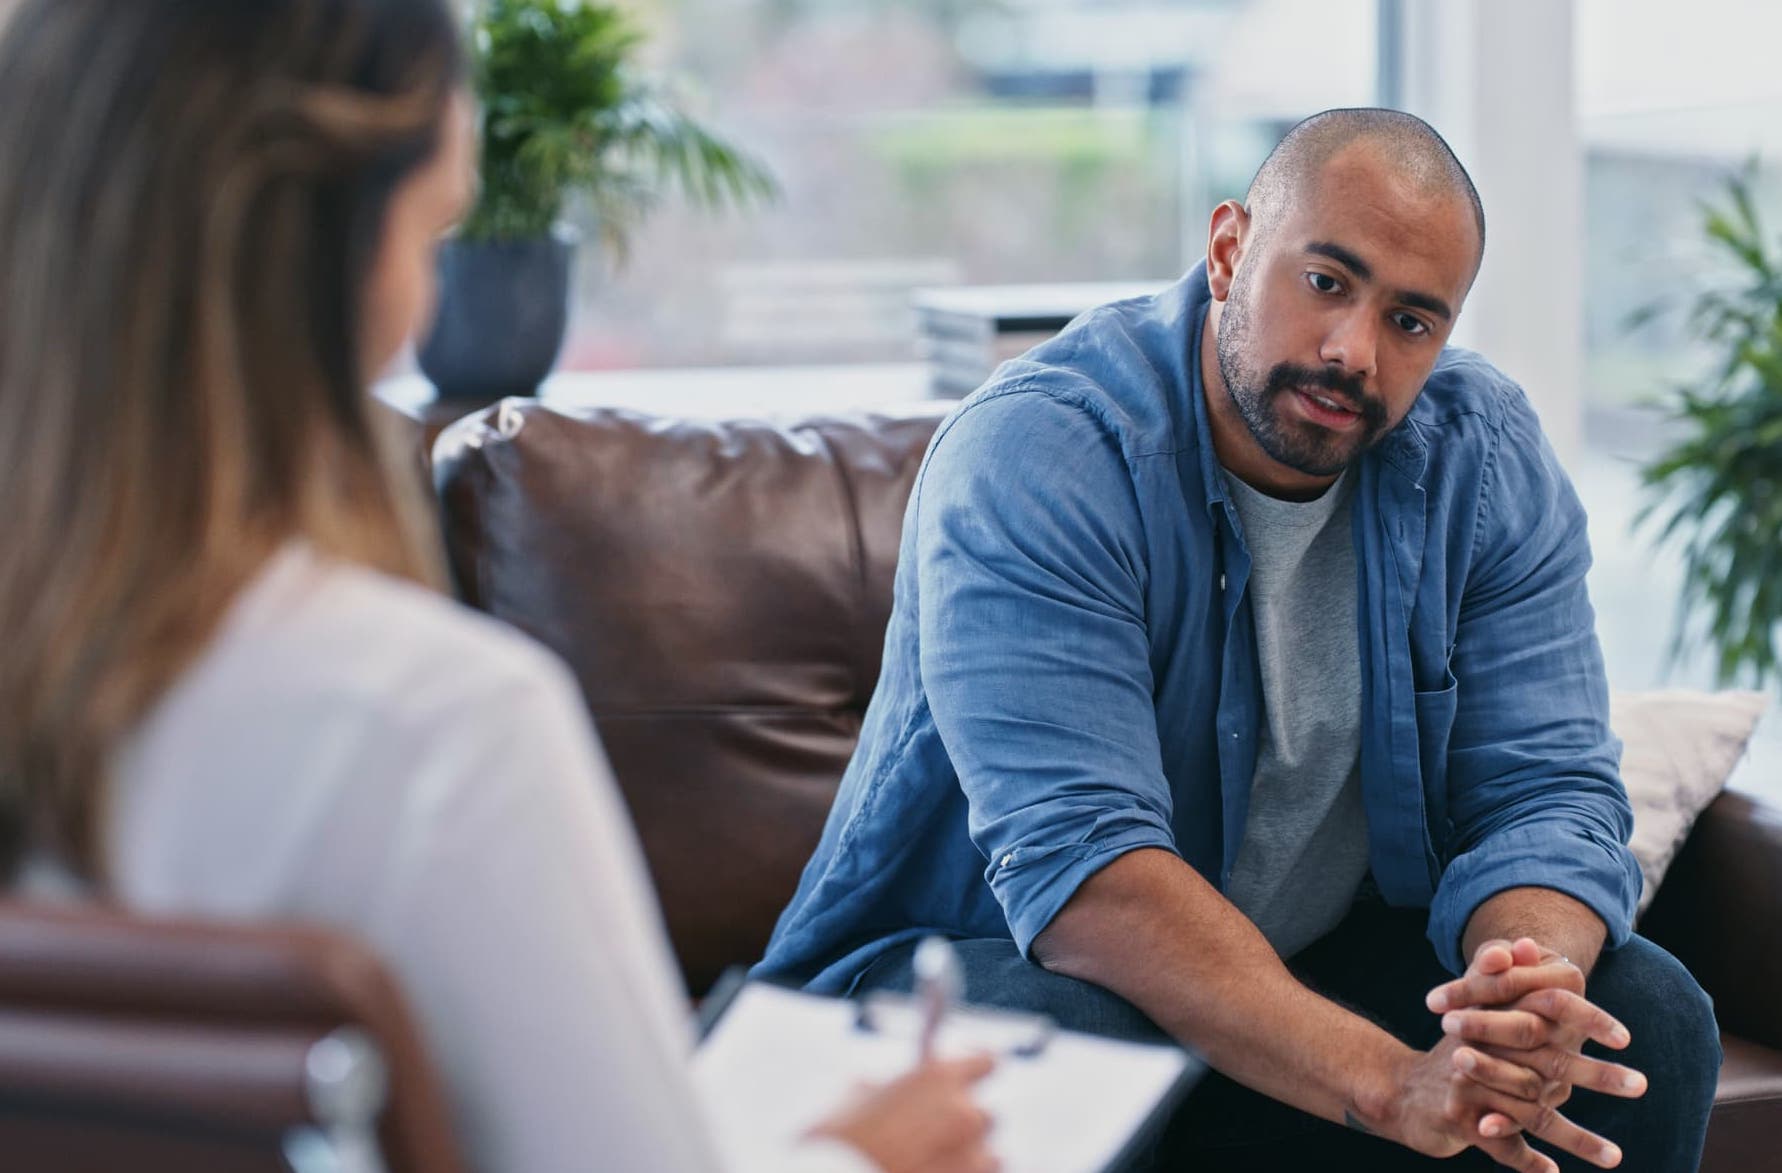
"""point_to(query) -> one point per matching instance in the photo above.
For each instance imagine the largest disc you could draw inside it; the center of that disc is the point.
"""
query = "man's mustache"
(1345, 389)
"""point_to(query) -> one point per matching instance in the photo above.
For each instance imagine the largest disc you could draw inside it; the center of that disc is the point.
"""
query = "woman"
(225, 688)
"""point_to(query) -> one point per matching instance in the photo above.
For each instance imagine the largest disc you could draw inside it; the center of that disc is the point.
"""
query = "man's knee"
(1670, 1016)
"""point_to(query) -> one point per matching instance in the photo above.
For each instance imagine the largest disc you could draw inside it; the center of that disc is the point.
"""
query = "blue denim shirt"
(1070, 670)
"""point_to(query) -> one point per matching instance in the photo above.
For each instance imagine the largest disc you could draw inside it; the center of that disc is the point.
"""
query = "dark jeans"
(1378, 963)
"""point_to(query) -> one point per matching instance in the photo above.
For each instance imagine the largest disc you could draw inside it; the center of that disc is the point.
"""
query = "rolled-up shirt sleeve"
(1034, 651)
(1535, 793)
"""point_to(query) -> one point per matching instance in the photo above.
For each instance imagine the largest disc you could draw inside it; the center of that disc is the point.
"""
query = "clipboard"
(772, 1061)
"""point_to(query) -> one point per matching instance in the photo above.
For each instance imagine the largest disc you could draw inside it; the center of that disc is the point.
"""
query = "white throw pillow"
(1678, 749)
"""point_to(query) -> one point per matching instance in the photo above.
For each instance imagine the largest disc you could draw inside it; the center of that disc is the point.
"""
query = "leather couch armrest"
(1719, 911)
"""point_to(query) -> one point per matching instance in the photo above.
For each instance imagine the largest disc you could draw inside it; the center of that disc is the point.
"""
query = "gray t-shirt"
(1304, 851)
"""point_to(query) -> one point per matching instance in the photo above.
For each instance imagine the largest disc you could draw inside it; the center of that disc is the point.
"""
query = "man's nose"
(1353, 344)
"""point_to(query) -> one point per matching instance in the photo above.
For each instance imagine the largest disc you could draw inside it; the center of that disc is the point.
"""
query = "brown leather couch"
(721, 591)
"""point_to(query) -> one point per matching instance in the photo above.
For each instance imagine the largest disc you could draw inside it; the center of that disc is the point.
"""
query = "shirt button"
(1008, 859)
(1221, 582)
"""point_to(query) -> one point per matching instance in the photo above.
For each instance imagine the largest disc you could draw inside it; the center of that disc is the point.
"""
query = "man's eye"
(1411, 324)
(1322, 282)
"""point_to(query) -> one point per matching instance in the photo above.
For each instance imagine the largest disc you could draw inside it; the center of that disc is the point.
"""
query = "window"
(1671, 100)
(936, 142)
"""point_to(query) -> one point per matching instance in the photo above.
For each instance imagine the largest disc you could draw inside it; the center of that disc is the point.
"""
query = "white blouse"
(359, 752)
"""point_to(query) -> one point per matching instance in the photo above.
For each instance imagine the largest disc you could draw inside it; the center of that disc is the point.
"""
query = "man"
(1247, 622)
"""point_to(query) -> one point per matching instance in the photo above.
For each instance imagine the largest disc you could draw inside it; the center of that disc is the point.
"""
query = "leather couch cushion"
(1751, 1072)
(1719, 911)
(1747, 1122)
(720, 590)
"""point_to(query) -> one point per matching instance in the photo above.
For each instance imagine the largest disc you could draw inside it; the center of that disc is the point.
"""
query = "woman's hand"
(925, 1122)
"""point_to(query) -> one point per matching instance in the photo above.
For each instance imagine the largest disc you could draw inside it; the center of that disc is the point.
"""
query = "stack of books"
(967, 331)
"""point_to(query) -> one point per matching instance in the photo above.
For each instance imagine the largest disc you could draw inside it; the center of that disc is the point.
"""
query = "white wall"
(1496, 78)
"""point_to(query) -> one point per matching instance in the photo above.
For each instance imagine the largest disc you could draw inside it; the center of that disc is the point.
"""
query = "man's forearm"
(1149, 928)
(1553, 919)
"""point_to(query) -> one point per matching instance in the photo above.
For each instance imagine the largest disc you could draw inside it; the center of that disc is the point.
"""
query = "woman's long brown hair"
(191, 198)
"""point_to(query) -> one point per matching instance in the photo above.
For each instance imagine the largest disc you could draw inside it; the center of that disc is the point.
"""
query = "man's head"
(1336, 283)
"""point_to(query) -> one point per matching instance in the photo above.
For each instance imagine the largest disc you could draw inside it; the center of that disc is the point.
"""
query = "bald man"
(1242, 686)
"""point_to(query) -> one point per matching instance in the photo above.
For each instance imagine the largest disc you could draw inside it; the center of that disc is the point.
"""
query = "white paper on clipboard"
(779, 1060)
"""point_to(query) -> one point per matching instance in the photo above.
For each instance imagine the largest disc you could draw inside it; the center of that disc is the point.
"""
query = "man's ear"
(1226, 237)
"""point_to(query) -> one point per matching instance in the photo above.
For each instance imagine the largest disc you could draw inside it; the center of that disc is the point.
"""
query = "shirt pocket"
(1436, 709)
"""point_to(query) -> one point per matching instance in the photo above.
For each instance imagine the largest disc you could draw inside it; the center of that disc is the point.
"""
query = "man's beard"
(1261, 401)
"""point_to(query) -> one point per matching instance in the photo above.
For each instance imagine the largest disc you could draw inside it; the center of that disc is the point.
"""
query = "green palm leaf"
(1715, 494)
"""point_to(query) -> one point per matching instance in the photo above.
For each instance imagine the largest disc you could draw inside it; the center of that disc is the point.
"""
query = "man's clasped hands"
(1514, 1026)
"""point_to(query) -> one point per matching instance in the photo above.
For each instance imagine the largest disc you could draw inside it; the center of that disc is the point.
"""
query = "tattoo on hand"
(1353, 1121)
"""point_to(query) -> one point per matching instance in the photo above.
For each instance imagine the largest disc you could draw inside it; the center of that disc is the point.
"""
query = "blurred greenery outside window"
(1671, 101)
(925, 142)
(938, 142)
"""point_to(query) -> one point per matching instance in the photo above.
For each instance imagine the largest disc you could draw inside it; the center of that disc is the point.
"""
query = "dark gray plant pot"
(503, 309)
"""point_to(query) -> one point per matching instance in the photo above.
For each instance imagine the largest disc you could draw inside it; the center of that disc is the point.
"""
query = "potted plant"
(565, 114)
(1719, 485)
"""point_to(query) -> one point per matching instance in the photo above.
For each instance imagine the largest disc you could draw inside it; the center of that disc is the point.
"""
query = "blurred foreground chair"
(147, 1045)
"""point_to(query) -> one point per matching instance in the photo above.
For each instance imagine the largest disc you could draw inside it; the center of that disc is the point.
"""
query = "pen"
(939, 983)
